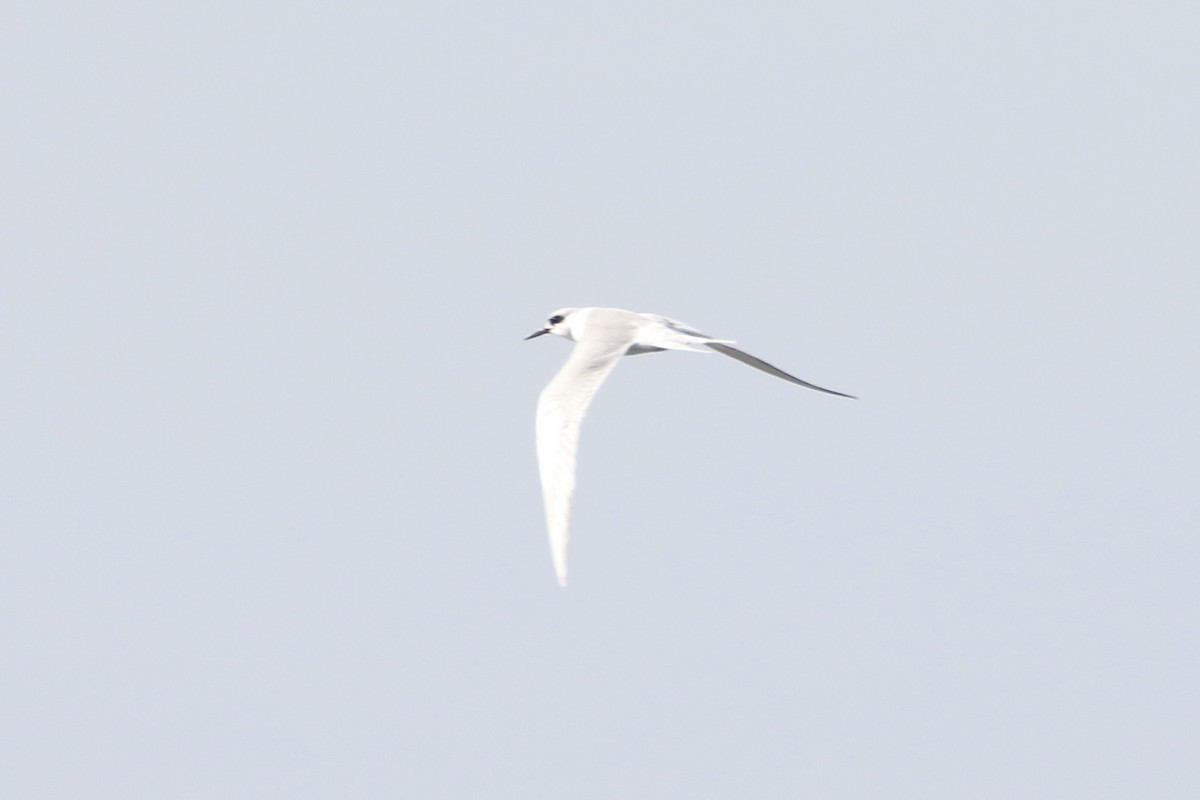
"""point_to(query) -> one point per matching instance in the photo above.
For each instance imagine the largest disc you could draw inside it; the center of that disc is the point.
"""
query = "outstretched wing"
(758, 363)
(560, 409)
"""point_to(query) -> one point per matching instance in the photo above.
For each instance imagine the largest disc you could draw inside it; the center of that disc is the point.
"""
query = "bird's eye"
(557, 318)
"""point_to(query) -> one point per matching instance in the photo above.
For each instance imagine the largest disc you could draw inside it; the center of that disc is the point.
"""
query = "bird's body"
(602, 336)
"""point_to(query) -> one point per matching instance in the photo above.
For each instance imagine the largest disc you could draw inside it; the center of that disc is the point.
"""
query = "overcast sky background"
(271, 523)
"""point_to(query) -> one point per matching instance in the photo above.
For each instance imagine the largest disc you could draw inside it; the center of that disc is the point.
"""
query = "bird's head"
(559, 324)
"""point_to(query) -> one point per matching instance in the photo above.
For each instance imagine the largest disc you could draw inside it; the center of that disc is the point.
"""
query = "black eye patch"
(557, 318)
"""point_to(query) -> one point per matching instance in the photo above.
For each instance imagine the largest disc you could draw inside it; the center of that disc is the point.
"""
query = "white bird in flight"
(602, 336)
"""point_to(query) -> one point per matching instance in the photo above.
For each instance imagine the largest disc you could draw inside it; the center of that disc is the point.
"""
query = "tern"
(602, 336)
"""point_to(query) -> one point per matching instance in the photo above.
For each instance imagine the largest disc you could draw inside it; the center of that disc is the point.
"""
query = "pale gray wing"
(560, 409)
(758, 363)
(675, 325)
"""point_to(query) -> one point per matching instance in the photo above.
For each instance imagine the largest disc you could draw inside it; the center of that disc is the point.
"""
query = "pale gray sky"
(272, 526)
